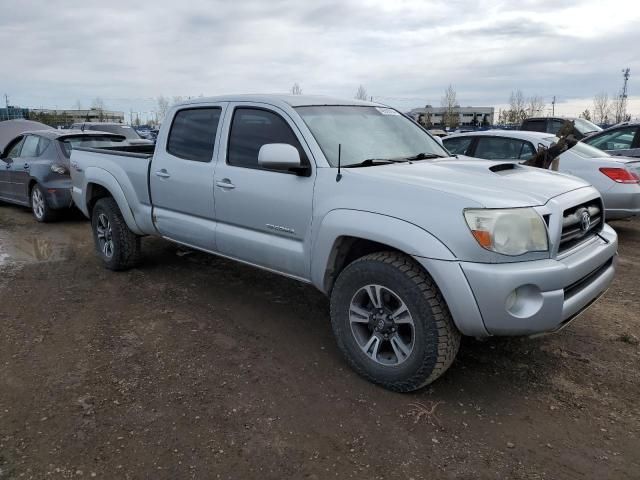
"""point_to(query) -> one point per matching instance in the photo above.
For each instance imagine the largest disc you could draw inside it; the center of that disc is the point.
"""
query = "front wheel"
(118, 246)
(391, 322)
(39, 205)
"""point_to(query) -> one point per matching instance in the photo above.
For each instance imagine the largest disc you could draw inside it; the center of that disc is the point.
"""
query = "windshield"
(587, 151)
(585, 126)
(89, 141)
(125, 130)
(366, 133)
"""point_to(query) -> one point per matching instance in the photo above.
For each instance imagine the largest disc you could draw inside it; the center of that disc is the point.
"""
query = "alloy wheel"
(105, 235)
(382, 325)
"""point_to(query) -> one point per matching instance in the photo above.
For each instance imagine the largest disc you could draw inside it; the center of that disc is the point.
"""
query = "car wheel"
(39, 206)
(118, 246)
(391, 322)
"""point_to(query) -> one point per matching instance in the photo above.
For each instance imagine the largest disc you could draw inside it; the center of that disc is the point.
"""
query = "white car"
(617, 178)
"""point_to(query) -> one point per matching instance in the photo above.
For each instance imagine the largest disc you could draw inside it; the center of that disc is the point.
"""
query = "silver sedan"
(617, 178)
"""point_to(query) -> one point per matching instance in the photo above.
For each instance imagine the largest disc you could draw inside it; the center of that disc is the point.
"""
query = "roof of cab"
(281, 100)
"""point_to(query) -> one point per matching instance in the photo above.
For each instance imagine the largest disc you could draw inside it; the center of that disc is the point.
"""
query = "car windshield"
(125, 130)
(585, 126)
(365, 132)
(587, 151)
(89, 141)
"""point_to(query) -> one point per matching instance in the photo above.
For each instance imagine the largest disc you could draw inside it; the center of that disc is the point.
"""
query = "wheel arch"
(101, 184)
(346, 235)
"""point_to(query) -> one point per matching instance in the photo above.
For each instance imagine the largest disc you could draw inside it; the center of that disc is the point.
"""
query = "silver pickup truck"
(413, 247)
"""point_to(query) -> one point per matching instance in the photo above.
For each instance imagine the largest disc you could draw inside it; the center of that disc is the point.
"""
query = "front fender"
(396, 233)
(98, 176)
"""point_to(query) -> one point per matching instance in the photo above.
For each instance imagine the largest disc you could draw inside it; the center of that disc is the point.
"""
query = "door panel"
(6, 185)
(20, 169)
(264, 216)
(7, 188)
(181, 177)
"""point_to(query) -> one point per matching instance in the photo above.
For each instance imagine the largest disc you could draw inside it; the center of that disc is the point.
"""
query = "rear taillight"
(621, 175)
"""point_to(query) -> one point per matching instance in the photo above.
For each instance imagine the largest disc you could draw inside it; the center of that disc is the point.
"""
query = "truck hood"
(489, 183)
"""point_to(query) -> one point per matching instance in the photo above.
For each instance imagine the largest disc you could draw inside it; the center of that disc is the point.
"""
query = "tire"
(40, 208)
(118, 247)
(422, 342)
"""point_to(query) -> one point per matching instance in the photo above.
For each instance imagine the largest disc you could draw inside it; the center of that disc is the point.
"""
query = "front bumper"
(526, 298)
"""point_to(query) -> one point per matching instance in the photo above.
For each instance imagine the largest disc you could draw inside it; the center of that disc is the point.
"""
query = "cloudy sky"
(405, 52)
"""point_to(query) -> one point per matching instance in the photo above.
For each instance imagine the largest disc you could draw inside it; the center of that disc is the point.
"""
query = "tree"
(586, 115)
(361, 93)
(163, 107)
(98, 105)
(535, 105)
(295, 89)
(517, 107)
(619, 108)
(177, 99)
(601, 108)
(78, 105)
(449, 102)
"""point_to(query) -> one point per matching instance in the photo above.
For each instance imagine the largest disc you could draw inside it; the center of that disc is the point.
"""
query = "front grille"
(574, 223)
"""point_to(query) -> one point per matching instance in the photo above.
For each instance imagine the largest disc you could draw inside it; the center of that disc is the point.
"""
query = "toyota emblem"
(585, 221)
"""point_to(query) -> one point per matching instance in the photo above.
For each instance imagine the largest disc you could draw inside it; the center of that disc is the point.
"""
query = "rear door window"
(193, 133)
(498, 148)
(535, 125)
(30, 146)
(458, 145)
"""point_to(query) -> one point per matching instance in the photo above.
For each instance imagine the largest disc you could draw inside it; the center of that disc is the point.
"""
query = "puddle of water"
(52, 246)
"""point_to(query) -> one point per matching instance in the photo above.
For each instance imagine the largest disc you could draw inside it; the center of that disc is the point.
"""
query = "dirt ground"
(192, 366)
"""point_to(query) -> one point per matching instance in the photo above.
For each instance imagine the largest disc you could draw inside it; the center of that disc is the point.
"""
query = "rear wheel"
(391, 322)
(39, 205)
(118, 246)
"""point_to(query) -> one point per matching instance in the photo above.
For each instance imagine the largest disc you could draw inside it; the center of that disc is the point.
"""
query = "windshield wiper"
(369, 162)
(425, 156)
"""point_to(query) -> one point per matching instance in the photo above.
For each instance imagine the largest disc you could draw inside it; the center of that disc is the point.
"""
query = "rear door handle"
(225, 183)
(163, 173)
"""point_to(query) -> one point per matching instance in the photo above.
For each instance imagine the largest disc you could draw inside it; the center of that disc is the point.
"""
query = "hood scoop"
(501, 167)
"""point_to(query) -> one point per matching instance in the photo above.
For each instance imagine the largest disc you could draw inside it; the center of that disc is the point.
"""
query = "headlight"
(55, 168)
(512, 231)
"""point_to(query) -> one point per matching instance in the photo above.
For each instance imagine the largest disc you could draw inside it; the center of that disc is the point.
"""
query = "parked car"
(127, 131)
(622, 139)
(361, 202)
(616, 178)
(581, 127)
(34, 168)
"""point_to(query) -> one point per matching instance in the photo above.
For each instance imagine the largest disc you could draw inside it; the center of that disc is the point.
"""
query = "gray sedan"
(622, 139)
(34, 168)
(617, 178)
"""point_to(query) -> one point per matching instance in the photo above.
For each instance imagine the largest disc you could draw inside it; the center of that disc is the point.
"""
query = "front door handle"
(225, 183)
(163, 173)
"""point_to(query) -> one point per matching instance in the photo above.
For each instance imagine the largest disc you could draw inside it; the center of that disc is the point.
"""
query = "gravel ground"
(192, 366)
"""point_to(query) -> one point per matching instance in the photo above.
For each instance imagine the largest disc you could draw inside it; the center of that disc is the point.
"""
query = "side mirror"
(280, 156)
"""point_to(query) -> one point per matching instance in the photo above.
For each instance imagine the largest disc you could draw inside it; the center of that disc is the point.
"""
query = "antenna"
(339, 176)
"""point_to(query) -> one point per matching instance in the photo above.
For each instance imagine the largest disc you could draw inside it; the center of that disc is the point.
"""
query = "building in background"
(76, 116)
(470, 117)
(12, 113)
(61, 118)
